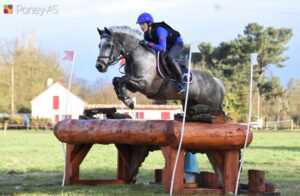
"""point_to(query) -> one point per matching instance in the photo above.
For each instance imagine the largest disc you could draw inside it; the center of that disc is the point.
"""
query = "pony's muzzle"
(101, 67)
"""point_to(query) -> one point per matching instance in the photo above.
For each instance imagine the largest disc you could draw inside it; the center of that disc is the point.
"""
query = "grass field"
(31, 163)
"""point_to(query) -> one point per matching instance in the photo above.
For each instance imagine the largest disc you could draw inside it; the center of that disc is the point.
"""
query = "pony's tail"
(222, 87)
(222, 91)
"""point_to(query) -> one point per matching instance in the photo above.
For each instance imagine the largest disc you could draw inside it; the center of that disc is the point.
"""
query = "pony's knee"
(116, 81)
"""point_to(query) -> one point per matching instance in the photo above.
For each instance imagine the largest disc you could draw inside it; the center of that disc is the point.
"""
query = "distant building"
(52, 104)
(148, 112)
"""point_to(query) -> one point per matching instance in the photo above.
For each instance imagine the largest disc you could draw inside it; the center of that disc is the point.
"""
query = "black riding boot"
(181, 85)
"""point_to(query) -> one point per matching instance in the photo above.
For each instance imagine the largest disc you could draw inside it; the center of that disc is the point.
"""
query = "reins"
(123, 53)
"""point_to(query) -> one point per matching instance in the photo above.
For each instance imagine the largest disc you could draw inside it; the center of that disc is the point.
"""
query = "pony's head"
(109, 50)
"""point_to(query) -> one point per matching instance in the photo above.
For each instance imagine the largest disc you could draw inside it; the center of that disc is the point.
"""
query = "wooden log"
(270, 187)
(198, 136)
(207, 137)
(208, 180)
(158, 176)
(256, 181)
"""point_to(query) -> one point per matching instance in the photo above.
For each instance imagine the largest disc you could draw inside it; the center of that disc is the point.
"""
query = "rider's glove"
(144, 42)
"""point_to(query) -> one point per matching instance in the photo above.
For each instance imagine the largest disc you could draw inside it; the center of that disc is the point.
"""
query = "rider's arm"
(162, 35)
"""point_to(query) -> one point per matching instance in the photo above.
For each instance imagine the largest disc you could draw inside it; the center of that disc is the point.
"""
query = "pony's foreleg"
(121, 91)
(119, 87)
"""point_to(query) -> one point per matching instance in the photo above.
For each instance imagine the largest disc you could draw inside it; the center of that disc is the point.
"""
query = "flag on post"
(69, 55)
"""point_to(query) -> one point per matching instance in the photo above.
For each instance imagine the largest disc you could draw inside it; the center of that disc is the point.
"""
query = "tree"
(293, 91)
(32, 66)
(230, 61)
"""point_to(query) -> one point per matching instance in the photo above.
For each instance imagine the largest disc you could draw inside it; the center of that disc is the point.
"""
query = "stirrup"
(181, 91)
(180, 87)
(185, 77)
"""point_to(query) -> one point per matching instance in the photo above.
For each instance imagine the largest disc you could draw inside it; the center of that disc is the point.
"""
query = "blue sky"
(73, 26)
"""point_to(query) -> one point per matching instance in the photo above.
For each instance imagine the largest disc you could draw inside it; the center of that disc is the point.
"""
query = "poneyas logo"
(18, 9)
(7, 9)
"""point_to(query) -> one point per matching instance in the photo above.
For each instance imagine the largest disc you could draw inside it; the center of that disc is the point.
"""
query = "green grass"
(31, 163)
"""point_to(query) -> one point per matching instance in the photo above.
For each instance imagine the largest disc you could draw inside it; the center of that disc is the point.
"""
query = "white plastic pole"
(253, 62)
(69, 85)
(183, 121)
(65, 116)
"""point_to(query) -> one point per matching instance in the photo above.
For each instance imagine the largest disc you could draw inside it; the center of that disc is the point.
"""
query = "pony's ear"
(99, 31)
(107, 31)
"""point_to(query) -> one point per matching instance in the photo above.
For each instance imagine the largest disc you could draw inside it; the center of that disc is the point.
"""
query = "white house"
(147, 112)
(52, 104)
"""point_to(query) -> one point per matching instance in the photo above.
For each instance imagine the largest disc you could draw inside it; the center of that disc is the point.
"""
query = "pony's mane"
(126, 30)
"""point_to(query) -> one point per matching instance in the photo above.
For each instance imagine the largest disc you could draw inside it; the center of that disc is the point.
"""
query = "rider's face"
(144, 27)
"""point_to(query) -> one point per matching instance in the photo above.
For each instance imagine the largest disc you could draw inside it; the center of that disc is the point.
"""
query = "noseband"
(123, 53)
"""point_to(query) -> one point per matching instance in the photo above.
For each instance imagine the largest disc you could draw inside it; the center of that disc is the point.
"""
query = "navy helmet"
(144, 17)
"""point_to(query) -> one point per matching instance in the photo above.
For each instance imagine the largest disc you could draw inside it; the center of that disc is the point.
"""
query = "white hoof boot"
(190, 177)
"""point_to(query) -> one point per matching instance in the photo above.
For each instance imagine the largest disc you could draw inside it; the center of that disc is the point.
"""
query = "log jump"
(135, 138)
(198, 136)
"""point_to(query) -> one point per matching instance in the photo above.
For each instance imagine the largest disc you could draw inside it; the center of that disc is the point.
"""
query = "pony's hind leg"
(198, 109)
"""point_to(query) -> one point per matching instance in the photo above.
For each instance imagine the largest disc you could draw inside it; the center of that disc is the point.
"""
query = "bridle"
(123, 52)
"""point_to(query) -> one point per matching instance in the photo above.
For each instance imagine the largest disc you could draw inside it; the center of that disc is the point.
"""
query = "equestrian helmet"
(144, 17)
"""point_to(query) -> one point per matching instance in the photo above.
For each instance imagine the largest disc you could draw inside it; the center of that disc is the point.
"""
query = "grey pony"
(206, 93)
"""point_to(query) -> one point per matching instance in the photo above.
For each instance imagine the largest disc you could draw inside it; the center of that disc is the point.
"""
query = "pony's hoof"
(129, 103)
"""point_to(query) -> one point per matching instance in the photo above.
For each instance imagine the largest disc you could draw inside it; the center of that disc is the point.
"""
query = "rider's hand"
(144, 42)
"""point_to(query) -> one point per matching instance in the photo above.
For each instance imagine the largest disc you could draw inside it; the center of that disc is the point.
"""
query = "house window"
(139, 115)
(165, 115)
(55, 102)
(68, 116)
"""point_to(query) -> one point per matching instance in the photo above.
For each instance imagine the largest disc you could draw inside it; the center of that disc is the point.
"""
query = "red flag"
(69, 55)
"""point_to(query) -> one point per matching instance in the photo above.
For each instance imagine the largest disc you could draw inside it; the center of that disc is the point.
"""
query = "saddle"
(164, 71)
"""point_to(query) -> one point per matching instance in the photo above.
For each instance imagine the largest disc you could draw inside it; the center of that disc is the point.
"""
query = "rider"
(161, 37)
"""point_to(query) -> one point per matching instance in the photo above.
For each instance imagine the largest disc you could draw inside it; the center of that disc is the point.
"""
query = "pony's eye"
(109, 45)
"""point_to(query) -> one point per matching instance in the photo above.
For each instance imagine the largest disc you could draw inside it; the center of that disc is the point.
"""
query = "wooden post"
(256, 181)
(122, 169)
(74, 156)
(208, 180)
(5, 126)
(230, 170)
(170, 156)
(270, 187)
(158, 175)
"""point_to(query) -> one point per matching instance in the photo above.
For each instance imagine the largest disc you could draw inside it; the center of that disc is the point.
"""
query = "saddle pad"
(164, 72)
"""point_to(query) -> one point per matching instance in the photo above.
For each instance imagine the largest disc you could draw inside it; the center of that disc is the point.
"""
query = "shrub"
(15, 120)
